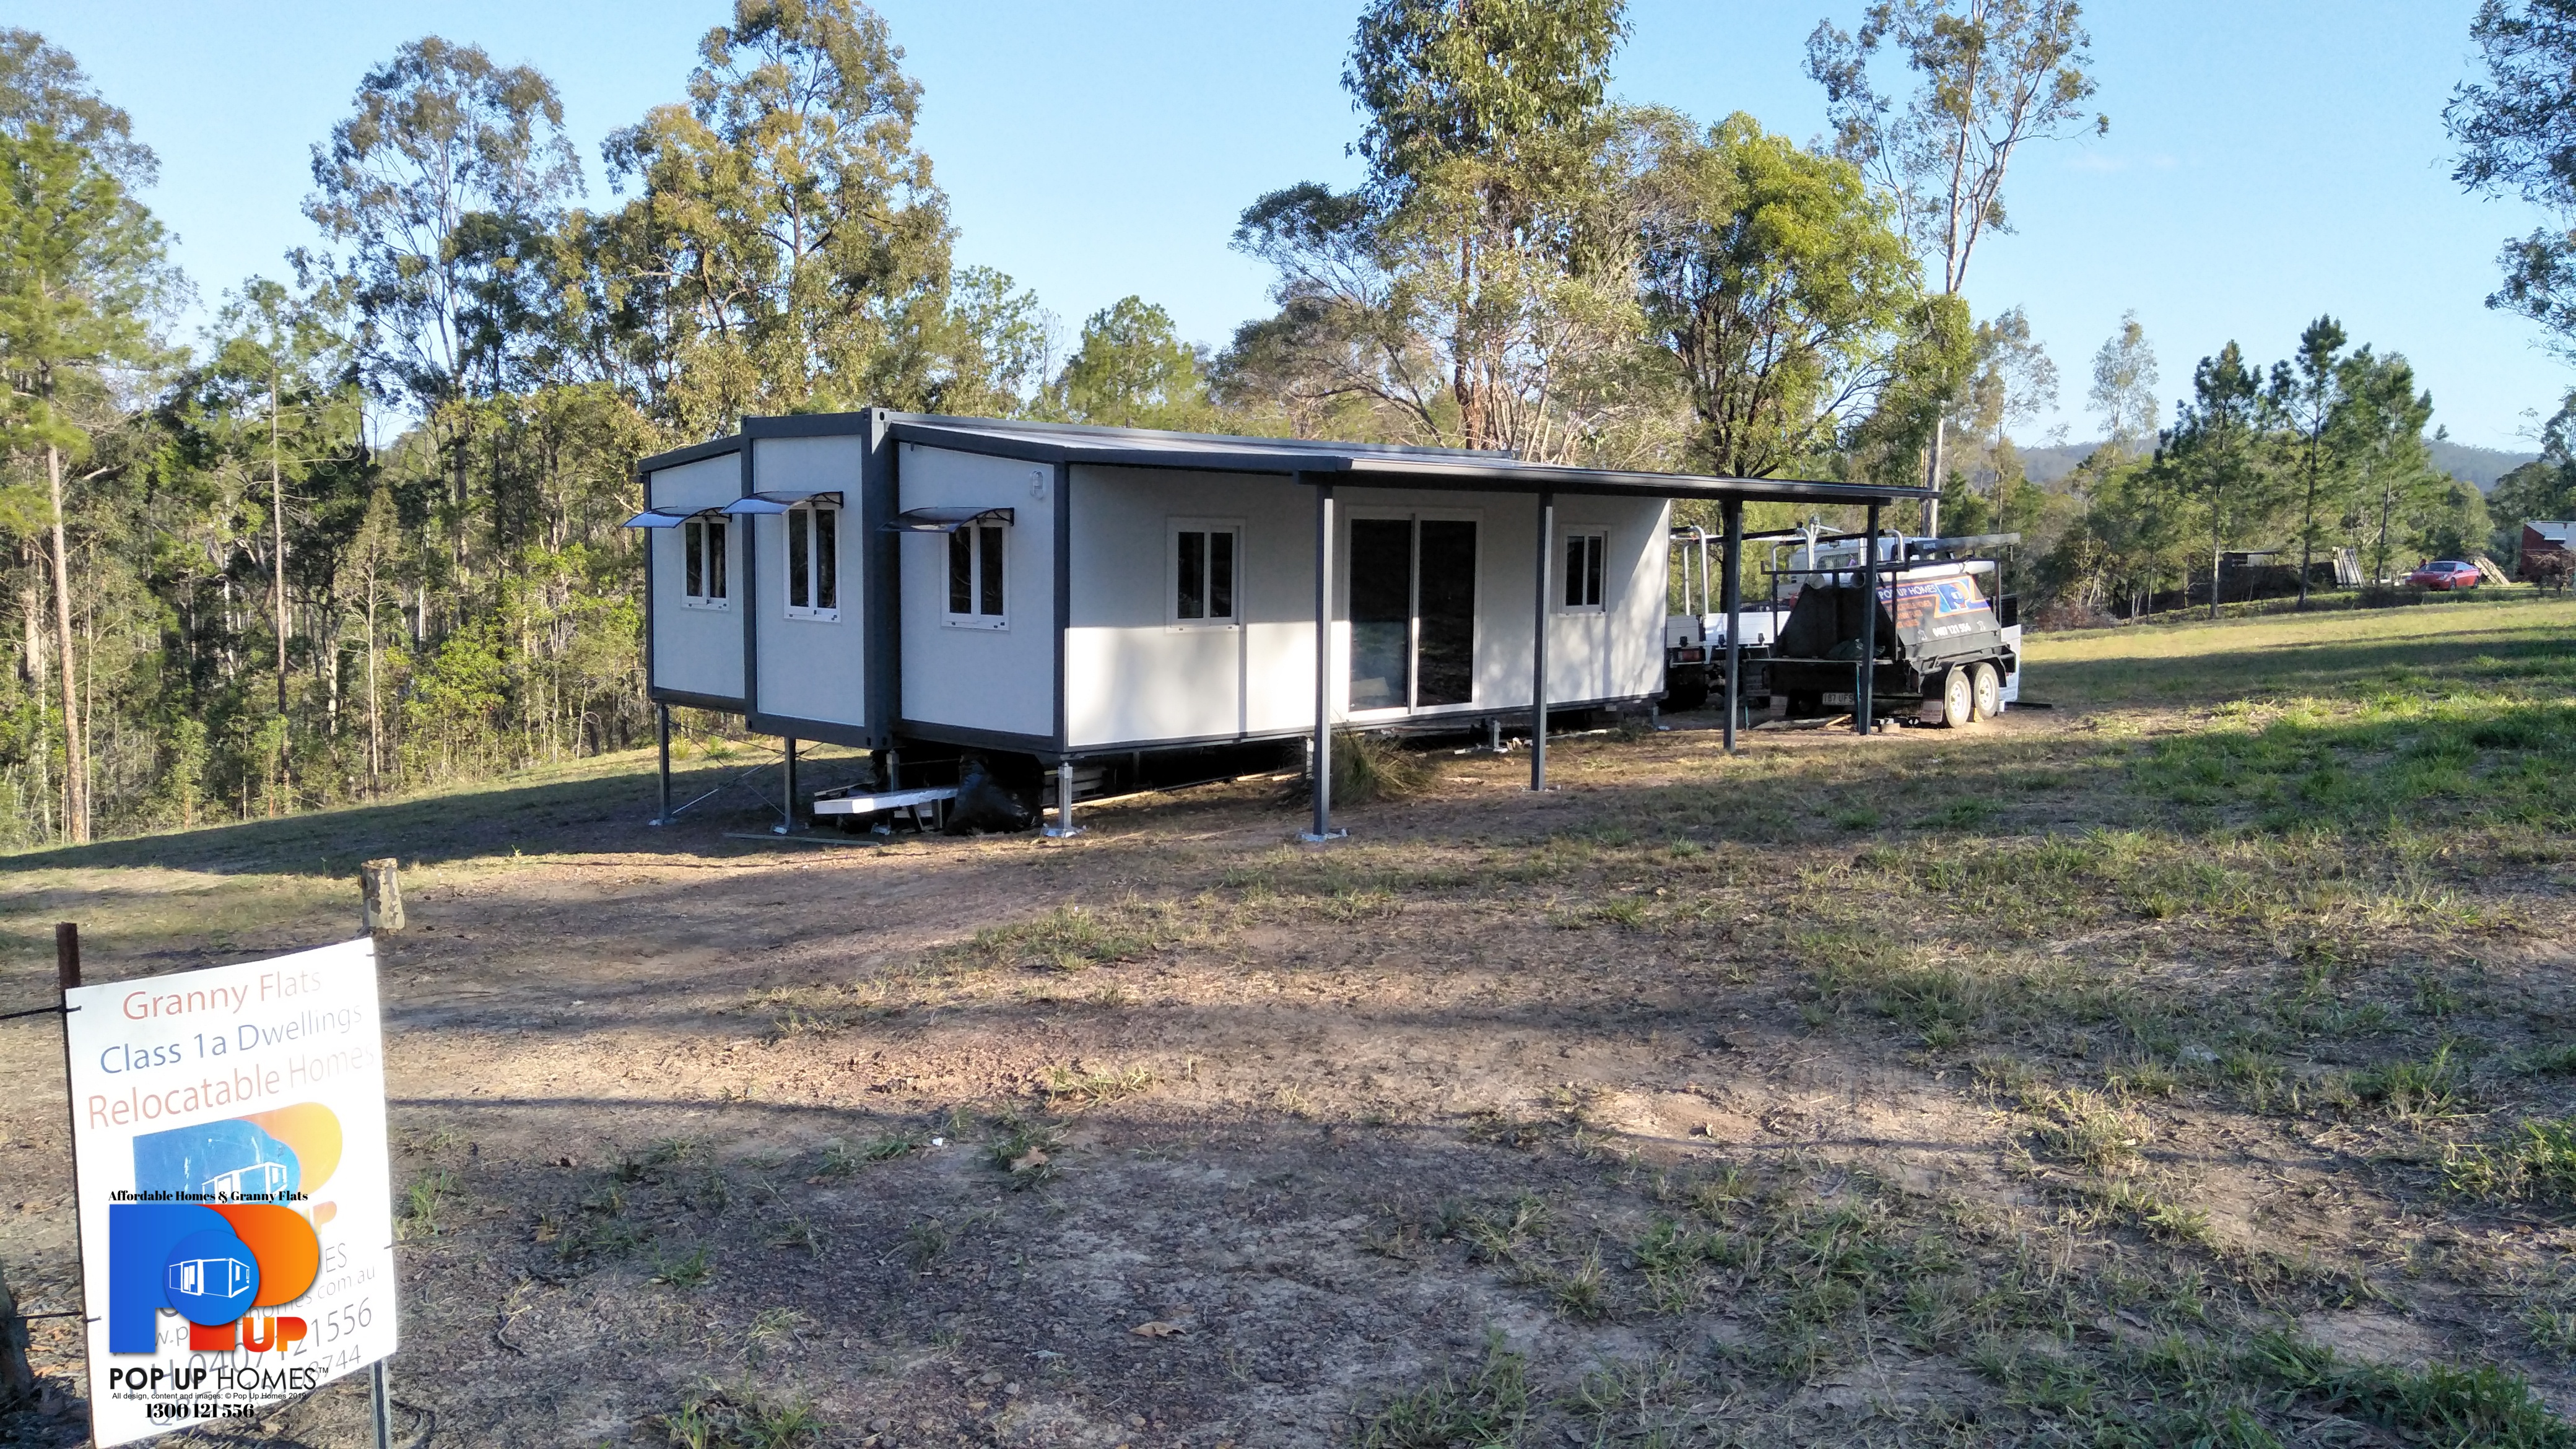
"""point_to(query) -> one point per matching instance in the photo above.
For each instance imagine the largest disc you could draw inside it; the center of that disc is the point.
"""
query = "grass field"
(2186, 1063)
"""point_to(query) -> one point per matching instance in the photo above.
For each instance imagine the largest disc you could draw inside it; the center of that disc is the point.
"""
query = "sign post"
(236, 1222)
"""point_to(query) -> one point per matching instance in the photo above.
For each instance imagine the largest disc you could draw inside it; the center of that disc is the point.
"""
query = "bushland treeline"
(361, 532)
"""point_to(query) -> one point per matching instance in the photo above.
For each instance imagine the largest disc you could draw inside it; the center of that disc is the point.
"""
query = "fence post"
(382, 888)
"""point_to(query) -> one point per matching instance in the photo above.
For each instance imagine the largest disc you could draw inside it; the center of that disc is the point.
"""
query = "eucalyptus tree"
(2123, 395)
(1991, 75)
(2304, 393)
(42, 85)
(788, 230)
(446, 159)
(2011, 380)
(2516, 130)
(82, 276)
(1776, 282)
(1477, 285)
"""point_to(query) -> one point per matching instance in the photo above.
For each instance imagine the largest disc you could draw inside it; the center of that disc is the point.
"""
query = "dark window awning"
(779, 500)
(944, 520)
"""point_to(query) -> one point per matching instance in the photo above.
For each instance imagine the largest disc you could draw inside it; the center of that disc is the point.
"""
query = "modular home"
(1062, 593)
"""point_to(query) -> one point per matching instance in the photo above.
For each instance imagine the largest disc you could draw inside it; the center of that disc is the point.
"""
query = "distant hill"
(2482, 466)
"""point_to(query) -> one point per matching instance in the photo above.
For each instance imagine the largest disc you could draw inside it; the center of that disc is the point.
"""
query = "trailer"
(1929, 614)
(1696, 638)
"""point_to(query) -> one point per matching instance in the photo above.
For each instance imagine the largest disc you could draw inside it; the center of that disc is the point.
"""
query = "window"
(975, 579)
(813, 561)
(1204, 554)
(702, 549)
(1583, 553)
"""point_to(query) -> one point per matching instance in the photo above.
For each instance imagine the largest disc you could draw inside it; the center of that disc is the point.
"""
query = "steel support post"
(1064, 826)
(1734, 594)
(787, 809)
(1868, 670)
(1538, 645)
(663, 816)
(1319, 768)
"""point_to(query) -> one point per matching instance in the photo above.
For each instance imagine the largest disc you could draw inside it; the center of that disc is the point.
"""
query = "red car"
(2445, 574)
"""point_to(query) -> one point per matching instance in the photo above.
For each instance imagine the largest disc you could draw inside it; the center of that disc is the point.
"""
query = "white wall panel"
(1134, 677)
(978, 678)
(810, 668)
(696, 647)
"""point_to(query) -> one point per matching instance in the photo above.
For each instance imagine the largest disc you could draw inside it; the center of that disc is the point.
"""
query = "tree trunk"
(75, 750)
(277, 541)
(1932, 505)
(31, 607)
(2308, 526)
(2216, 537)
(375, 735)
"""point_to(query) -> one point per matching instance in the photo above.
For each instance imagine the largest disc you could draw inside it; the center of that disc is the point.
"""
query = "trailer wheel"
(1806, 703)
(1989, 691)
(1958, 699)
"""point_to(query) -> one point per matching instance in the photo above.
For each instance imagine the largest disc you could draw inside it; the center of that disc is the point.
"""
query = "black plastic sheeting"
(984, 805)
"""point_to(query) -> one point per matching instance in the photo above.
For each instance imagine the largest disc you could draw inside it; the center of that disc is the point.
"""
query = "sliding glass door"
(1413, 612)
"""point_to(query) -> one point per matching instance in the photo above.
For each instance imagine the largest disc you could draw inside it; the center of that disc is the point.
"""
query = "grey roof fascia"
(1117, 453)
(1553, 478)
(695, 452)
(1098, 433)
(1368, 466)
(805, 425)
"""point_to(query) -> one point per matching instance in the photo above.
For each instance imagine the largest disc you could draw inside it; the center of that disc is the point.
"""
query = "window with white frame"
(702, 562)
(976, 595)
(1583, 555)
(813, 561)
(1205, 559)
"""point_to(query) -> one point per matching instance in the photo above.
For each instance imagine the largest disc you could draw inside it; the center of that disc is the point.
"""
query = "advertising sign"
(236, 1221)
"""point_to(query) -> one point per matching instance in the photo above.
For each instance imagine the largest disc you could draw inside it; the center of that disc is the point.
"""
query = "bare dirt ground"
(2117, 1073)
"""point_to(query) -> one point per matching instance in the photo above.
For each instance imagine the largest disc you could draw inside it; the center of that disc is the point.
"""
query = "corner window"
(1206, 555)
(977, 597)
(1583, 555)
(813, 561)
(702, 552)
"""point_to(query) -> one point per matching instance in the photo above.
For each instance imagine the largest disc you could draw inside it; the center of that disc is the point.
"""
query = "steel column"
(1734, 593)
(1868, 672)
(1064, 826)
(1319, 768)
(1538, 645)
(788, 789)
(664, 814)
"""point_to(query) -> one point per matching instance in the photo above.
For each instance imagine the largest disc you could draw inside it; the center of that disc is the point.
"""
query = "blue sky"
(2266, 162)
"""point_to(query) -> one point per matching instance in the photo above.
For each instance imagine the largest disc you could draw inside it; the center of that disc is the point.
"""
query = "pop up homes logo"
(191, 1245)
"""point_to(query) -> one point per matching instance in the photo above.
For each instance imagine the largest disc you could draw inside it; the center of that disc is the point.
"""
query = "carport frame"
(1504, 475)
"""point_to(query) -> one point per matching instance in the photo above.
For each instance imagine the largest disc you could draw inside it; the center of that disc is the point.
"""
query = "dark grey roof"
(1358, 464)
(1380, 465)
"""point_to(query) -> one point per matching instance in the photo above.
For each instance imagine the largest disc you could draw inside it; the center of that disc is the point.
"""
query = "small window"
(1204, 562)
(813, 561)
(976, 585)
(1583, 552)
(702, 548)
